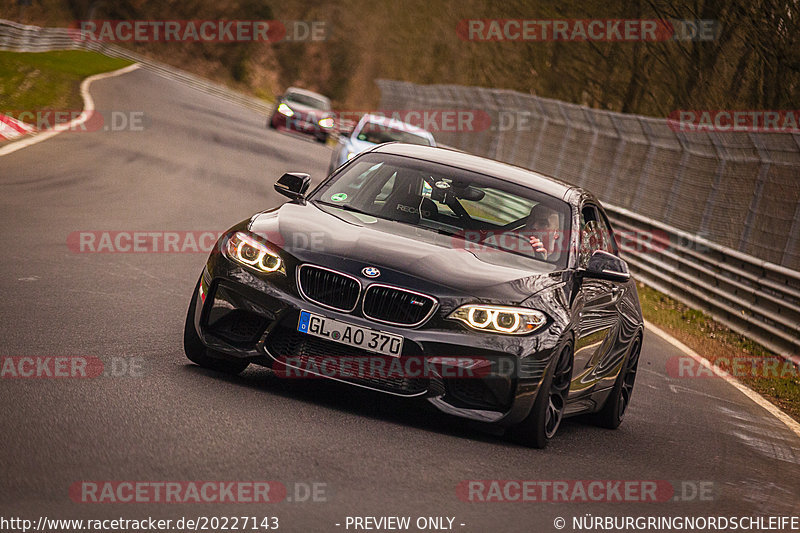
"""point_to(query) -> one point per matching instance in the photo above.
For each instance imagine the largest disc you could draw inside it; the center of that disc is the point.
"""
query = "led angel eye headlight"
(483, 320)
(499, 319)
(505, 321)
(248, 251)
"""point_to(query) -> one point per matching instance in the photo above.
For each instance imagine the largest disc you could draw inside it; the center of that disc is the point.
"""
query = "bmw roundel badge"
(371, 272)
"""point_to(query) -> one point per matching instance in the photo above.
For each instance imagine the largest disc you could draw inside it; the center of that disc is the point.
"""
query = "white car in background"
(376, 129)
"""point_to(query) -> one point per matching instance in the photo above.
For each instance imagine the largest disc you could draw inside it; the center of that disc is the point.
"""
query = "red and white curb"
(11, 128)
(88, 107)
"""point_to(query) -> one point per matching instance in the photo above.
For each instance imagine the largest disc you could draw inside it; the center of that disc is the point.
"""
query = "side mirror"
(293, 185)
(603, 265)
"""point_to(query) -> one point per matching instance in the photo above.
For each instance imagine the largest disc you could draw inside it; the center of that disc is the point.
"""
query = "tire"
(547, 413)
(613, 412)
(271, 123)
(322, 139)
(197, 352)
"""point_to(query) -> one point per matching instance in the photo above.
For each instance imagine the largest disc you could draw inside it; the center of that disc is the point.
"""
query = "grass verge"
(749, 362)
(31, 81)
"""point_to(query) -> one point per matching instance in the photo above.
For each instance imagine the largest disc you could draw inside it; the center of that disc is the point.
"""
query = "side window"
(609, 242)
(595, 234)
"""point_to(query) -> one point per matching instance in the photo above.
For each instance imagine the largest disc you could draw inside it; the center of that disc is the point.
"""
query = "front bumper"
(307, 125)
(241, 315)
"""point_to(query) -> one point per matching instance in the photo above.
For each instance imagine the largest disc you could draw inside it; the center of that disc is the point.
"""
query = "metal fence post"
(715, 186)
(587, 161)
(515, 143)
(614, 172)
(763, 170)
(648, 163)
(677, 182)
(495, 138)
(793, 242)
(545, 122)
(564, 140)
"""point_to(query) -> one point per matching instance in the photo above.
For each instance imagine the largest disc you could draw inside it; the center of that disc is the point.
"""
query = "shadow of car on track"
(416, 413)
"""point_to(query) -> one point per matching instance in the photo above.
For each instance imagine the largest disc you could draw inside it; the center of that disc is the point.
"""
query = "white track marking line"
(757, 398)
(88, 107)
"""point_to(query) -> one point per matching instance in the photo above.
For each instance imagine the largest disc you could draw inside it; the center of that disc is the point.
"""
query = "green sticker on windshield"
(339, 197)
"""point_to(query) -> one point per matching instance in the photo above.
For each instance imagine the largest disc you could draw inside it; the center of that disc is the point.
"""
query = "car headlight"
(499, 319)
(244, 249)
(326, 122)
(350, 155)
(284, 109)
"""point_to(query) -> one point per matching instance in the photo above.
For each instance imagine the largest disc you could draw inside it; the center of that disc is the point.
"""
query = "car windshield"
(481, 212)
(383, 133)
(308, 100)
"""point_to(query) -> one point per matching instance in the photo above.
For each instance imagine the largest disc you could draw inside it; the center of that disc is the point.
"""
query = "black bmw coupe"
(494, 292)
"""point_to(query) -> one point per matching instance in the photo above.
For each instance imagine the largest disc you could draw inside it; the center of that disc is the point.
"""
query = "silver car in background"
(372, 130)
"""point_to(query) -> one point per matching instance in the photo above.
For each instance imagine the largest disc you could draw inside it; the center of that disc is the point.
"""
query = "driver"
(543, 222)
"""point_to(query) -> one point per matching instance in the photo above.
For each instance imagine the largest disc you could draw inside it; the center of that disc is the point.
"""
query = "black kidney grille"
(388, 304)
(329, 288)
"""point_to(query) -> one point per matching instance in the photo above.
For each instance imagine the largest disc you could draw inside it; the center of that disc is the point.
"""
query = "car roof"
(389, 121)
(454, 158)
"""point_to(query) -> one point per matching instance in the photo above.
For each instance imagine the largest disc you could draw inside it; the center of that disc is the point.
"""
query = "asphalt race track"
(203, 164)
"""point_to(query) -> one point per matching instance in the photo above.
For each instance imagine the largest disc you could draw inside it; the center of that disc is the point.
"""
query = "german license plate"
(350, 334)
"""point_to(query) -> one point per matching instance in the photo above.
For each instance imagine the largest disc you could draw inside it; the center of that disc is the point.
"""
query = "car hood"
(406, 255)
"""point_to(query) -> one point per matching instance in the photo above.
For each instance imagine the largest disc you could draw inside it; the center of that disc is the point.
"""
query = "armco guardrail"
(761, 300)
(706, 189)
(23, 38)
